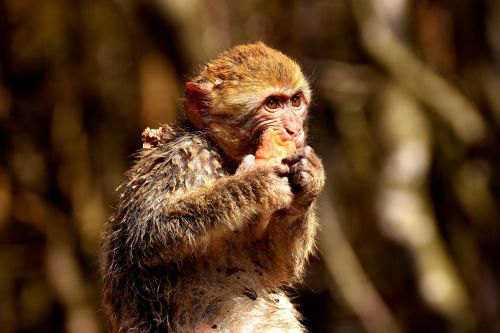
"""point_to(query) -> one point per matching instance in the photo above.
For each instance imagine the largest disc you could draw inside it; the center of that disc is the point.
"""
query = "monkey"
(202, 238)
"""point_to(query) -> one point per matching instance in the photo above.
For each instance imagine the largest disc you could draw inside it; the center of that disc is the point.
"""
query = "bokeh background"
(406, 117)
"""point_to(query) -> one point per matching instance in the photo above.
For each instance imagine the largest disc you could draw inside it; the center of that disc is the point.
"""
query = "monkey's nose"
(296, 135)
(293, 132)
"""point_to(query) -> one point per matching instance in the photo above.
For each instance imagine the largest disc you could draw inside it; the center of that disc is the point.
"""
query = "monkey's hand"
(307, 176)
(275, 180)
(291, 232)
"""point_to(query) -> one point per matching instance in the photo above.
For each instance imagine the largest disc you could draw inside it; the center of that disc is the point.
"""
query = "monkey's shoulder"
(193, 154)
(187, 159)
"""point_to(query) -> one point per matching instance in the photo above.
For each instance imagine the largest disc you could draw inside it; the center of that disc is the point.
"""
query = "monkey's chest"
(232, 298)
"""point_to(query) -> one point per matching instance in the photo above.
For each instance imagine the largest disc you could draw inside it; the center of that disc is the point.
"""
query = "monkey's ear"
(196, 101)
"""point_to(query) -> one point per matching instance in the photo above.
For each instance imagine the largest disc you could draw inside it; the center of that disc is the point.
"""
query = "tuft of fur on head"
(238, 73)
(239, 80)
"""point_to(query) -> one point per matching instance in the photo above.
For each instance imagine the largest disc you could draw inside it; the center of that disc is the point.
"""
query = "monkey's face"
(284, 112)
(243, 92)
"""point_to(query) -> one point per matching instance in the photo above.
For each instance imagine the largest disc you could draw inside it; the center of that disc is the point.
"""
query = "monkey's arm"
(290, 243)
(291, 231)
(171, 229)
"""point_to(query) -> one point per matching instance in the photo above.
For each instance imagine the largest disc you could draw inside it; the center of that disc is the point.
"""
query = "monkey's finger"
(299, 154)
(247, 163)
(248, 160)
(290, 160)
(282, 170)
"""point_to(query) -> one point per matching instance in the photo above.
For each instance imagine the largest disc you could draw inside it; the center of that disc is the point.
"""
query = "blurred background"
(406, 117)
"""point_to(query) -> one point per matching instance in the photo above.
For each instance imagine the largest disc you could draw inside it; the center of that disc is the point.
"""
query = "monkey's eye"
(272, 103)
(296, 100)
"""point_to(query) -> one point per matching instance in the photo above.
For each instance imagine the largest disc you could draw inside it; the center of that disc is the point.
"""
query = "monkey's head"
(244, 91)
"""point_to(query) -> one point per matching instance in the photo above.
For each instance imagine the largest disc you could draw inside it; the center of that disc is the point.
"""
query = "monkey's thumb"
(247, 163)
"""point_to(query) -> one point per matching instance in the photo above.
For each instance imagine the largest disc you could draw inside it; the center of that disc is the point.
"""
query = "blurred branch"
(200, 27)
(62, 266)
(490, 84)
(347, 88)
(405, 214)
(347, 272)
(414, 75)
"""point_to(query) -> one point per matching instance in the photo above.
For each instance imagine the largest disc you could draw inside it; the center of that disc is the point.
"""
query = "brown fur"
(198, 244)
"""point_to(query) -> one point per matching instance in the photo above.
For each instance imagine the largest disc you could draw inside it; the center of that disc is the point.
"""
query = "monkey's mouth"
(299, 139)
